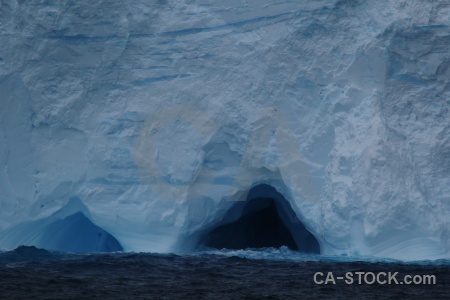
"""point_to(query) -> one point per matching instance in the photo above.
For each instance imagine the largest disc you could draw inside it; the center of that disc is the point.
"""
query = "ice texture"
(158, 114)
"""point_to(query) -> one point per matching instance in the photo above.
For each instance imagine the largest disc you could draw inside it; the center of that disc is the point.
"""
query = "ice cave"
(264, 219)
(76, 233)
(69, 229)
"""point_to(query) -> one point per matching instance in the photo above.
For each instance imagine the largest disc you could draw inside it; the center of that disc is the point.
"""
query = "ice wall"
(157, 114)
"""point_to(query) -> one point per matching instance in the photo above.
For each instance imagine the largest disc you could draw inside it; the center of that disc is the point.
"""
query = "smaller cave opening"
(265, 219)
(70, 229)
(76, 233)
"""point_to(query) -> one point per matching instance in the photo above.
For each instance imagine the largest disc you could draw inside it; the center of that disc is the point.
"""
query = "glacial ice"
(158, 116)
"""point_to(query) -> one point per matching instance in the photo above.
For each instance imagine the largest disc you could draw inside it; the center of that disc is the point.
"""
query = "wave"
(25, 254)
(285, 254)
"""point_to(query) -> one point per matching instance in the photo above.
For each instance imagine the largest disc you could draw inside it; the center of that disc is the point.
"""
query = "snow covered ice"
(152, 118)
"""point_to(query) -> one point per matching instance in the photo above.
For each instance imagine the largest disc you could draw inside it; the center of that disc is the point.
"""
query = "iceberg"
(160, 125)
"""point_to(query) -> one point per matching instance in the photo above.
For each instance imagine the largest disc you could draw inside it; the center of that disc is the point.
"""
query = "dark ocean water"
(30, 273)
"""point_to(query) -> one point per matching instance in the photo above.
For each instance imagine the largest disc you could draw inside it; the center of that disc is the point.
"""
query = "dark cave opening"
(264, 219)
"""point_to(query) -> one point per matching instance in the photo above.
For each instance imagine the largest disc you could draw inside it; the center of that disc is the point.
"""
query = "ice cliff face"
(155, 114)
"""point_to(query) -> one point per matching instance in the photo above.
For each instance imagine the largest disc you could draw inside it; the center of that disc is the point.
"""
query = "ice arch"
(76, 233)
(264, 219)
(70, 229)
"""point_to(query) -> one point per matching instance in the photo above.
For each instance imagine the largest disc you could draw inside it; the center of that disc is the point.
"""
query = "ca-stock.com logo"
(176, 151)
(173, 162)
